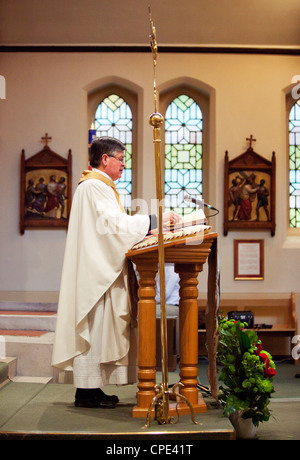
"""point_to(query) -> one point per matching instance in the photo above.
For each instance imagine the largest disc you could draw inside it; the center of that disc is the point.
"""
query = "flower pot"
(244, 427)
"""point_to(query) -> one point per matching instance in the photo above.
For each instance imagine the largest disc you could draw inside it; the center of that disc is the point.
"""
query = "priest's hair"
(101, 145)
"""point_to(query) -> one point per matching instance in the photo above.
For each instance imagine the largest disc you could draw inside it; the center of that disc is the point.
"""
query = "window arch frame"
(130, 97)
(290, 102)
(202, 100)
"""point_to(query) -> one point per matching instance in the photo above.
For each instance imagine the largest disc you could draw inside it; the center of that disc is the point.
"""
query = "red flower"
(270, 372)
(258, 349)
(263, 356)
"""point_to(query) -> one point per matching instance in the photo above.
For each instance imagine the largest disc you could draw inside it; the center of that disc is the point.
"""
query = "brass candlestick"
(156, 120)
(161, 401)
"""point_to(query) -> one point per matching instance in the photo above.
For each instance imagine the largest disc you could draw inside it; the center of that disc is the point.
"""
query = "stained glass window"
(183, 153)
(113, 118)
(294, 169)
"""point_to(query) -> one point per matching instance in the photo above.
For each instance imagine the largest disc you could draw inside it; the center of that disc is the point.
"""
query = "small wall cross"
(46, 139)
(250, 139)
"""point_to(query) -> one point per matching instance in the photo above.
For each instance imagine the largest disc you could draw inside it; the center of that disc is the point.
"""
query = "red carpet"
(22, 333)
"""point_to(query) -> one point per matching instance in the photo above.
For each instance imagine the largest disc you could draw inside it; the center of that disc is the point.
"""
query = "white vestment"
(93, 318)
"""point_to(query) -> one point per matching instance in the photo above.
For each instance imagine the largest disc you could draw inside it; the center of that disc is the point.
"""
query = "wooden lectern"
(188, 254)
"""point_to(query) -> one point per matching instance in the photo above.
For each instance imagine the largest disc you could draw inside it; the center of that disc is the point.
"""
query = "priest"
(95, 337)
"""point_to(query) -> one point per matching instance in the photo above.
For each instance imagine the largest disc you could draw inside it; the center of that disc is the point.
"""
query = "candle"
(92, 135)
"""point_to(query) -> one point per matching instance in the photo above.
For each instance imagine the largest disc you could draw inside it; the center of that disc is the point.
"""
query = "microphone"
(190, 199)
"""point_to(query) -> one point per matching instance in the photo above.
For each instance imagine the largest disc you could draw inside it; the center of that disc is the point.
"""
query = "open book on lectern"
(193, 218)
(192, 224)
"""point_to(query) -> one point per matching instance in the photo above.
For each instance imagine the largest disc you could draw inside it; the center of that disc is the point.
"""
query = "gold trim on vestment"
(97, 175)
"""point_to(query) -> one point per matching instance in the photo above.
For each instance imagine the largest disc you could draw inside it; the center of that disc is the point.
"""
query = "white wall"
(47, 92)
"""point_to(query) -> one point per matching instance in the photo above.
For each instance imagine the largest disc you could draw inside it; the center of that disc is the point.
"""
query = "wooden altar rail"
(188, 255)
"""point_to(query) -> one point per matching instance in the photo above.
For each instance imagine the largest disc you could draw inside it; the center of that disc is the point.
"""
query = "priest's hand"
(170, 219)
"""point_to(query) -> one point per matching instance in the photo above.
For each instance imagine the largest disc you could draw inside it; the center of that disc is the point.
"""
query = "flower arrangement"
(247, 372)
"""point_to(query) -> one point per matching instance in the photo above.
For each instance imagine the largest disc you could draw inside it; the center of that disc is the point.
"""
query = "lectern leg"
(188, 333)
(146, 339)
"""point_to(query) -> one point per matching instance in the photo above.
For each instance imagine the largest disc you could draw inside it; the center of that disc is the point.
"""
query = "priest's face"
(115, 165)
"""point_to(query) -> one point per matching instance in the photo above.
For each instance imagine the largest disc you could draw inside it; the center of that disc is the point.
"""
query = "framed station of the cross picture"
(249, 192)
(45, 189)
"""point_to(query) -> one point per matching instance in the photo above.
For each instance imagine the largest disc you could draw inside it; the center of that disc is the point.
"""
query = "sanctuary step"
(3, 372)
(28, 306)
(31, 317)
(27, 332)
(8, 369)
(27, 320)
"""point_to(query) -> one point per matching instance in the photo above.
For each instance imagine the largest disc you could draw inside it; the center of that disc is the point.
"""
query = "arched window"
(183, 153)
(113, 117)
(294, 166)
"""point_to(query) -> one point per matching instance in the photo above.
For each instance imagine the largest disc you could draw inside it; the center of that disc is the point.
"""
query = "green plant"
(247, 371)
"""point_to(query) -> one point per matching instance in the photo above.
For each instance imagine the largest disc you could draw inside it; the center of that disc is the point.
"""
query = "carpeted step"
(28, 333)
(33, 350)
(3, 371)
(27, 320)
(28, 306)
(11, 364)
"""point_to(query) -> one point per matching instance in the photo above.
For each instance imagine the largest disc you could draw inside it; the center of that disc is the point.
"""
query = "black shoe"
(103, 396)
(95, 403)
(94, 398)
